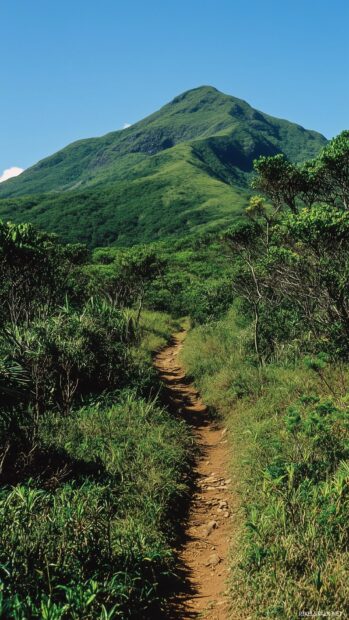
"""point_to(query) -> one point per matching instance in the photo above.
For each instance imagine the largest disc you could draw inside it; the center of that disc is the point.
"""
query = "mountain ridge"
(192, 157)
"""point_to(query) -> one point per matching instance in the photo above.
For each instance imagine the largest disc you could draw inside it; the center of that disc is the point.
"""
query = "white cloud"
(126, 125)
(10, 172)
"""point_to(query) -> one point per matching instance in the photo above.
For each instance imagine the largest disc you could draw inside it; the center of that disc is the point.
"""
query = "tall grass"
(96, 545)
(156, 330)
(289, 435)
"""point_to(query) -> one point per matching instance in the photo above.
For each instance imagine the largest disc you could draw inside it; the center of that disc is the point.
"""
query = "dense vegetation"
(194, 279)
(185, 168)
(93, 468)
(277, 367)
(91, 465)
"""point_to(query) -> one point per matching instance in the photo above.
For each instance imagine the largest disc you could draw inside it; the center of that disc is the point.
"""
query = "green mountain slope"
(186, 167)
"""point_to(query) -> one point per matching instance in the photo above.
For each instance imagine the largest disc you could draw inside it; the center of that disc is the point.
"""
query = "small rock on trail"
(209, 527)
(213, 560)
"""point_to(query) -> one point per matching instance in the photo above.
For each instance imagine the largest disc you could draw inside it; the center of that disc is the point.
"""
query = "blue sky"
(77, 68)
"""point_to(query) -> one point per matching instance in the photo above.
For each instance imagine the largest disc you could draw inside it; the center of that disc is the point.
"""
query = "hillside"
(184, 168)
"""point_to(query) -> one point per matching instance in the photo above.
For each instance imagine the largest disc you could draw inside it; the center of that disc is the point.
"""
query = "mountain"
(185, 168)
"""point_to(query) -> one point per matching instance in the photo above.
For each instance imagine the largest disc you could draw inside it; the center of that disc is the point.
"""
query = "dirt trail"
(204, 550)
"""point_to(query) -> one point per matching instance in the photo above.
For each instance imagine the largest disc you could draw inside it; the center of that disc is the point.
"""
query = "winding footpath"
(203, 552)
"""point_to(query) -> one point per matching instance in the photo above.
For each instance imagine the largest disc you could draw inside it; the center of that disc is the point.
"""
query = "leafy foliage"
(292, 258)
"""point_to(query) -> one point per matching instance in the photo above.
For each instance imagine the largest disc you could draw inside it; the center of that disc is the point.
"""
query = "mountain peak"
(185, 166)
(204, 88)
(197, 93)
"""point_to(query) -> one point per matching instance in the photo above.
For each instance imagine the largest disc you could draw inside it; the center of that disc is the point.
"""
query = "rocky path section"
(203, 552)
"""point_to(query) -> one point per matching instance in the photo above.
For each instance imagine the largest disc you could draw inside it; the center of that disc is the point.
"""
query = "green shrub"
(72, 353)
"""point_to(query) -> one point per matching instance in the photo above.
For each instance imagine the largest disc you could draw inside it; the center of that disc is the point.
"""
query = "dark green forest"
(94, 470)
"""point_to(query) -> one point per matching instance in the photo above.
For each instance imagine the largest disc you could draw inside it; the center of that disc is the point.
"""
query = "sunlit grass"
(290, 464)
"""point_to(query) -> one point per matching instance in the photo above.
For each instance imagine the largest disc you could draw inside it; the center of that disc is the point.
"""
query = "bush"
(71, 354)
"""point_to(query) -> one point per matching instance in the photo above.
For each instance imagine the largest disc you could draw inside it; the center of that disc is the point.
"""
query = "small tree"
(244, 242)
(333, 167)
(124, 281)
(280, 180)
(34, 271)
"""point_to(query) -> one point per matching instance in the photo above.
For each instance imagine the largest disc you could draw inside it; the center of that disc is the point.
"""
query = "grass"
(98, 546)
(177, 199)
(157, 328)
(290, 458)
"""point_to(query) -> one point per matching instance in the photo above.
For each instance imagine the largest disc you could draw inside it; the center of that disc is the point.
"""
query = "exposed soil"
(205, 542)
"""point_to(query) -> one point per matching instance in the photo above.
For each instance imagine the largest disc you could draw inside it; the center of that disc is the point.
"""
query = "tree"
(124, 281)
(325, 178)
(300, 267)
(280, 180)
(34, 270)
(333, 167)
(244, 242)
